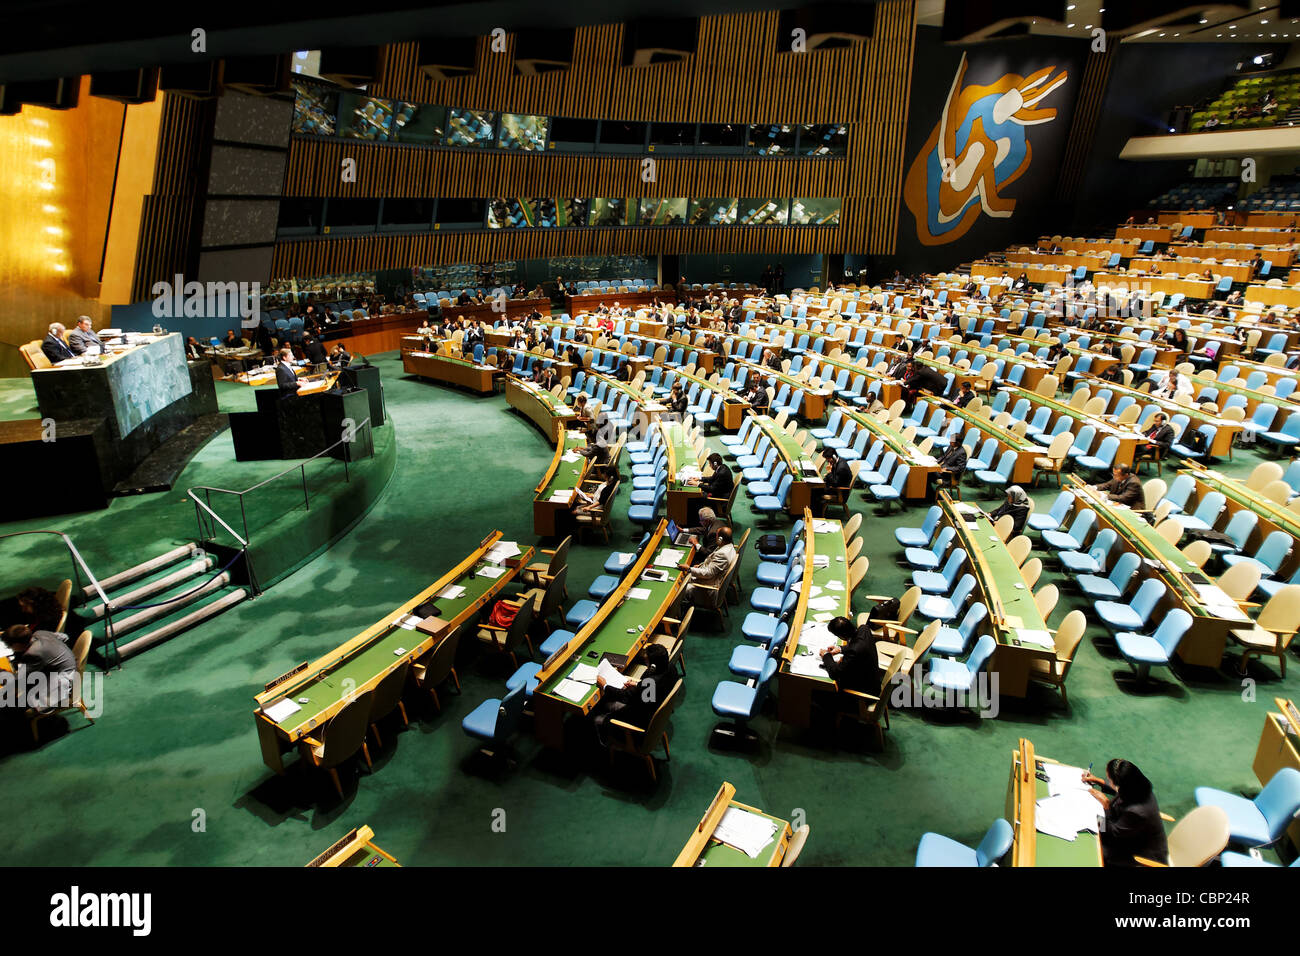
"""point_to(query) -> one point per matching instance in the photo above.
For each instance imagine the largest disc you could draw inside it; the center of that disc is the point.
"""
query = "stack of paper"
(689, 472)
(824, 603)
(572, 690)
(1061, 779)
(821, 560)
(808, 665)
(815, 637)
(836, 585)
(570, 457)
(491, 571)
(638, 594)
(746, 831)
(451, 592)
(408, 621)
(583, 674)
(1065, 814)
(502, 550)
(1217, 601)
(669, 557)
(1037, 638)
(611, 674)
(281, 709)
(563, 497)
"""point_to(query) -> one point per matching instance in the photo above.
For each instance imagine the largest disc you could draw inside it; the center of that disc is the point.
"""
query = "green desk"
(621, 628)
(357, 849)
(800, 466)
(539, 406)
(562, 476)
(1030, 847)
(1000, 587)
(703, 849)
(795, 691)
(322, 688)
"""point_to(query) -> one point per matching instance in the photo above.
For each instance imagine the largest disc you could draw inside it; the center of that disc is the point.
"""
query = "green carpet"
(176, 736)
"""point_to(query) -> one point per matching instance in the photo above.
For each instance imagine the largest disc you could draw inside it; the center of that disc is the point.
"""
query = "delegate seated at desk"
(718, 484)
(1159, 438)
(42, 653)
(1132, 827)
(705, 534)
(757, 397)
(635, 702)
(55, 349)
(1124, 487)
(712, 569)
(83, 340)
(854, 665)
(1017, 506)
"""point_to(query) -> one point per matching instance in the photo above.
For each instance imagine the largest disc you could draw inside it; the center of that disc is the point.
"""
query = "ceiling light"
(1070, 7)
(1203, 20)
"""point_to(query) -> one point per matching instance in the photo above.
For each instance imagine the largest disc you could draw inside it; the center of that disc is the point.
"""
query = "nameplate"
(285, 676)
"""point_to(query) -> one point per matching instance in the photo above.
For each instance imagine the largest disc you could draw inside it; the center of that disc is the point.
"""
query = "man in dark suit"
(1159, 436)
(285, 376)
(55, 349)
(854, 665)
(83, 339)
(720, 483)
(314, 350)
(636, 701)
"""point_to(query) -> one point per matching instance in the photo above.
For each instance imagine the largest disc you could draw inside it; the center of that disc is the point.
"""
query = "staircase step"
(225, 601)
(142, 570)
(191, 570)
(125, 625)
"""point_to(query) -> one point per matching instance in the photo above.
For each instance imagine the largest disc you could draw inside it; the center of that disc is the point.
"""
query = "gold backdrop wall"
(54, 201)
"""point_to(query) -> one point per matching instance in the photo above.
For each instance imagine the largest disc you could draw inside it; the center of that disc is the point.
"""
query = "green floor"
(176, 743)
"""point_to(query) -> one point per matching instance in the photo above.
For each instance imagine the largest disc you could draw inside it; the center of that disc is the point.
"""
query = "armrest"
(857, 693)
(877, 597)
(1166, 817)
(312, 741)
(895, 626)
(1143, 861)
(548, 550)
(626, 726)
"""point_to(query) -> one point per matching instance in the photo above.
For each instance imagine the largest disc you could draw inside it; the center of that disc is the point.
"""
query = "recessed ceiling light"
(1070, 7)
(1203, 20)
(1070, 26)
(1162, 34)
(1088, 27)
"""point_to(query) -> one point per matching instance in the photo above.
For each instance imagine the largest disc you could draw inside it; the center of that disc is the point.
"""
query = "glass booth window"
(470, 128)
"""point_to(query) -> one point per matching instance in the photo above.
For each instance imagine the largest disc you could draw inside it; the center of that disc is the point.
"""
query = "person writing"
(677, 402)
(854, 665)
(1132, 826)
(1124, 487)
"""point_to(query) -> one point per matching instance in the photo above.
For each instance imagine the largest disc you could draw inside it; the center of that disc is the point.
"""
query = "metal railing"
(208, 518)
(78, 566)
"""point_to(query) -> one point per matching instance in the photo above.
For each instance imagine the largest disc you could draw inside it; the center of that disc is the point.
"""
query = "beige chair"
(893, 630)
(871, 710)
(1054, 462)
(1003, 527)
(643, 741)
(1197, 839)
(341, 738)
(852, 524)
(430, 671)
(62, 597)
(673, 638)
(1019, 548)
(506, 639)
(796, 845)
(1239, 581)
(1273, 632)
(1080, 398)
(1152, 492)
(857, 572)
(1030, 571)
(1067, 639)
(539, 575)
(1045, 600)
(1171, 530)
(1278, 492)
(33, 355)
(80, 652)
(387, 697)
(1197, 552)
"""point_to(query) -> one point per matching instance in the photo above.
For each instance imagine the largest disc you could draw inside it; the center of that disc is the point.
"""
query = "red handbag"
(503, 614)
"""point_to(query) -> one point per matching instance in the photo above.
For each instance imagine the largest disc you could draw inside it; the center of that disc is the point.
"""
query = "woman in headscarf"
(1016, 505)
(1133, 826)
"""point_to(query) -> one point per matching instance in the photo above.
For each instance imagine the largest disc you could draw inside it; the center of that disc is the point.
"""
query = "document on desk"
(822, 526)
(824, 603)
(1061, 779)
(815, 637)
(1036, 638)
(638, 594)
(572, 690)
(281, 709)
(836, 585)
(669, 557)
(570, 457)
(562, 497)
(611, 674)
(491, 571)
(408, 621)
(821, 560)
(1065, 814)
(583, 674)
(808, 665)
(746, 831)
(451, 592)
(503, 550)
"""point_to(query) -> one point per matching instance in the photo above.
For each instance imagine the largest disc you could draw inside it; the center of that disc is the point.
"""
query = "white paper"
(281, 709)
(1061, 778)
(624, 558)
(638, 594)
(611, 674)
(564, 497)
(669, 557)
(836, 585)
(451, 592)
(1038, 638)
(821, 560)
(825, 603)
(822, 526)
(808, 665)
(746, 831)
(502, 550)
(583, 674)
(572, 690)
(491, 571)
(407, 622)
(570, 457)
(824, 616)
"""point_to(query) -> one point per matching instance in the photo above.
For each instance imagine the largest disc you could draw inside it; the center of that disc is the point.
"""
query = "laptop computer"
(676, 535)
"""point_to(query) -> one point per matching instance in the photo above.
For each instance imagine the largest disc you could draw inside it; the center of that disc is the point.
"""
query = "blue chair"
(771, 574)
(772, 600)
(645, 515)
(1287, 437)
(1272, 552)
(941, 582)
(763, 628)
(554, 642)
(927, 559)
(958, 677)
(938, 850)
(525, 677)
(953, 642)
(1104, 460)
(1113, 586)
(892, 491)
(1082, 442)
(946, 609)
(1134, 615)
(1094, 560)
(495, 720)
(1206, 514)
(1178, 493)
(922, 536)
(1244, 859)
(999, 477)
(1076, 537)
(1051, 520)
(1238, 533)
(792, 542)
(1262, 821)
(748, 660)
(1143, 651)
(741, 702)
